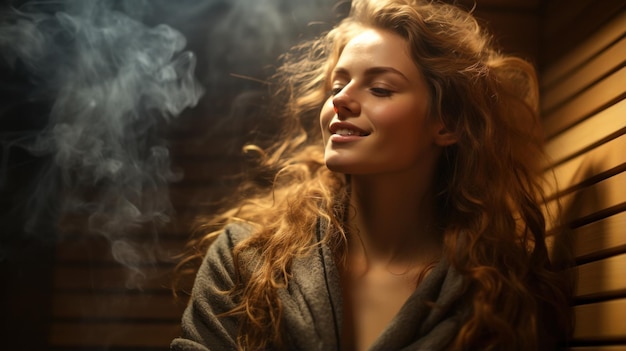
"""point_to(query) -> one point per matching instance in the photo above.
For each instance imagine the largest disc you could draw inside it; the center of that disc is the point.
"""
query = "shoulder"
(218, 266)
(238, 231)
(221, 251)
(231, 235)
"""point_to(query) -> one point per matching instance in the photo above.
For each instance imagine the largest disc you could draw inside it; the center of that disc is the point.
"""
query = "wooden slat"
(504, 26)
(588, 132)
(73, 226)
(612, 58)
(195, 195)
(117, 306)
(583, 89)
(588, 48)
(207, 185)
(606, 157)
(607, 234)
(566, 15)
(111, 278)
(599, 348)
(602, 278)
(607, 193)
(600, 321)
(202, 148)
(93, 248)
(602, 195)
(601, 95)
(138, 335)
(213, 171)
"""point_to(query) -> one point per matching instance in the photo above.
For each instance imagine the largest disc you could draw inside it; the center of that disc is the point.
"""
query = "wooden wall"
(583, 82)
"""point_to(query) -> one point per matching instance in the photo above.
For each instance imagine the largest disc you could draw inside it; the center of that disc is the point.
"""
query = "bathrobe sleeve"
(202, 329)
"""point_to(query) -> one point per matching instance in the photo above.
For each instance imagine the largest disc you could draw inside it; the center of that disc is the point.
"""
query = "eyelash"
(335, 91)
(379, 92)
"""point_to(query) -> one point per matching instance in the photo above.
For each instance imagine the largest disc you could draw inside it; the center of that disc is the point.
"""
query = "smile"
(347, 132)
(344, 131)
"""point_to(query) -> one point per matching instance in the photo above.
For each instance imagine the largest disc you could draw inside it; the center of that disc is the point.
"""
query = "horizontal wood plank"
(602, 278)
(611, 58)
(113, 334)
(220, 146)
(588, 48)
(566, 14)
(504, 26)
(598, 97)
(589, 200)
(570, 174)
(198, 195)
(602, 321)
(607, 193)
(117, 306)
(94, 249)
(112, 278)
(587, 133)
(607, 234)
(213, 171)
(75, 226)
(598, 348)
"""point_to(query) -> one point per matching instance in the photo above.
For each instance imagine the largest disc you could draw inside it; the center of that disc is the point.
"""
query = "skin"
(378, 89)
(376, 128)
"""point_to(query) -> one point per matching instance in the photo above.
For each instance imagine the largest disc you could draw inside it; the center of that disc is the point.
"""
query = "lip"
(334, 127)
(336, 138)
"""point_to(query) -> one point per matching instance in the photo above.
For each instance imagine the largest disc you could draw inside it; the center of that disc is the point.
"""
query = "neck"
(391, 219)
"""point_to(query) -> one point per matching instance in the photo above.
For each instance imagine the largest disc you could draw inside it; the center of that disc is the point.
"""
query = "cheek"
(326, 115)
(396, 118)
(392, 119)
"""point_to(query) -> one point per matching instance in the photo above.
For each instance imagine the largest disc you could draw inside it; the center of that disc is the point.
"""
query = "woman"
(410, 220)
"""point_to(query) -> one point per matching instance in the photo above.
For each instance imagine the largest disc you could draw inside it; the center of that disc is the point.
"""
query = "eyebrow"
(372, 71)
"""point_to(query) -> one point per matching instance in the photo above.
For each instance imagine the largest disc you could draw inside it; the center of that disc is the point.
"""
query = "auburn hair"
(489, 193)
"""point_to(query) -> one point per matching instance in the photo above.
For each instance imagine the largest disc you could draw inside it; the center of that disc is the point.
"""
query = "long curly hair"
(489, 194)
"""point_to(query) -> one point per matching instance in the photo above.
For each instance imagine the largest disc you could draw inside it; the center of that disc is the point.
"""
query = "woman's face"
(376, 118)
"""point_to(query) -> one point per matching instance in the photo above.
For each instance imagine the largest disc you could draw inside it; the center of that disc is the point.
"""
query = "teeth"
(345, 131)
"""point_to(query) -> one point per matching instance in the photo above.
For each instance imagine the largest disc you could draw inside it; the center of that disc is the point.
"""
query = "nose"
(345, 105)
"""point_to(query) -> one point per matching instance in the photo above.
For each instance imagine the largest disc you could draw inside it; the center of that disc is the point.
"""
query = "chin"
(342, 167)
(336, 166)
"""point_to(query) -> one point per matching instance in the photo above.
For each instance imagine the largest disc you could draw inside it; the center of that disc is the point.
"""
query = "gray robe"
(312, 305)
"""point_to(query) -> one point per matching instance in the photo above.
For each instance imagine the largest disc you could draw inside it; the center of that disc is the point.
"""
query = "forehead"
(375, 47)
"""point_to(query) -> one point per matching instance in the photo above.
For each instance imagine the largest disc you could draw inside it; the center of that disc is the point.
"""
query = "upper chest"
(371, 301)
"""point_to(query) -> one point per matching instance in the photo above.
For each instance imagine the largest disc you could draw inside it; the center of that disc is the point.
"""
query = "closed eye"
(381, 92)
(336, 90)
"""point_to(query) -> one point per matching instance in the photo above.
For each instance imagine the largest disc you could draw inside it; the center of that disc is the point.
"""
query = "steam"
(111, 74)
(113, 81)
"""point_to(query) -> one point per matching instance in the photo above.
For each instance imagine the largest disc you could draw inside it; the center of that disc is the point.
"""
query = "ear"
(443, 136)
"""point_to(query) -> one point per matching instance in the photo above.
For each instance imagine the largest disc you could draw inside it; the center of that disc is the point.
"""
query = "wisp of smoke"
(108, 83)
(113, 80)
